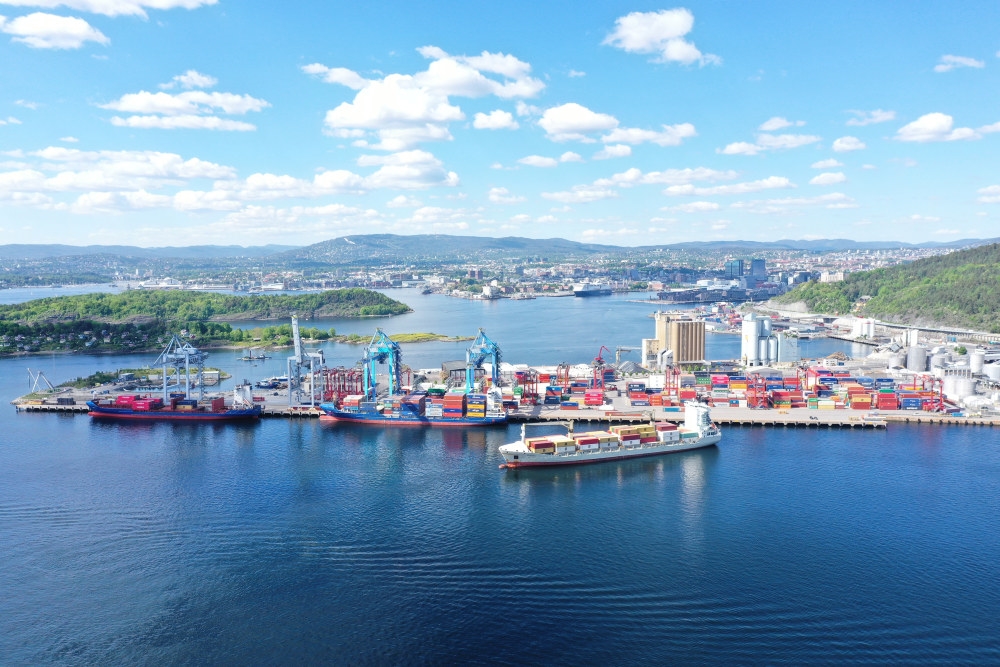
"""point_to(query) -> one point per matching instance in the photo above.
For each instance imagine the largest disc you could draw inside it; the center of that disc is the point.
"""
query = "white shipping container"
(593, 447)
(610, 444)
(669, 436)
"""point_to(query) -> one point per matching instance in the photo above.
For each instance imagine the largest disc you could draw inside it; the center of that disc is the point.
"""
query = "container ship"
(135, 407)
(616, 444)
(591, 289)
(434, 407)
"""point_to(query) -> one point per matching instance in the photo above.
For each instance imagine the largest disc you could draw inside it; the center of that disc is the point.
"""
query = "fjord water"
(295, 541)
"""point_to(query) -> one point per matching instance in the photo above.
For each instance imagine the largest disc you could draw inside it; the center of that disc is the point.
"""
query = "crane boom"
(481, 348)
(381, 349)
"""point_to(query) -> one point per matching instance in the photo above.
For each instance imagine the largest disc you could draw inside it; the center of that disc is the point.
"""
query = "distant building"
(758, 269)
(476, 274)
(734, 268)
(760, 345)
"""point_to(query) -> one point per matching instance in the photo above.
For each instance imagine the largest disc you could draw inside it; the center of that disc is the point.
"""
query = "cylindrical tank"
(938, 360)
(949, 387)
(765, 327)
(897, 360)
(965, 387)
(762, 351)
(977, 358)
(916, 359)
(992, 371)
(772, 349)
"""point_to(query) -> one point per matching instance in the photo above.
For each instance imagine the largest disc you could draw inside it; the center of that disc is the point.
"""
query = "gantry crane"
(297, 363)
(381, 350)
(481, 348)
(597, 382)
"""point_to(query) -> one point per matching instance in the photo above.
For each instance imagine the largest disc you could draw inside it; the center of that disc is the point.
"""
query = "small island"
(142, 320)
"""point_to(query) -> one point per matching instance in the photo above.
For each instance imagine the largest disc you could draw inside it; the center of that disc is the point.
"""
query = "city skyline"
(187, 122)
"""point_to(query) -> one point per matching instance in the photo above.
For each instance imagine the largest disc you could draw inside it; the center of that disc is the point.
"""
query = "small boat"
(250, 356)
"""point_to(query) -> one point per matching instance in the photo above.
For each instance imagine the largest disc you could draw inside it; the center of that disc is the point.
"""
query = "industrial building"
(679, 341)
(762, 346)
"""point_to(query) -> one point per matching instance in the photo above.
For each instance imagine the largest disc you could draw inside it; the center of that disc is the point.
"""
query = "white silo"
(992, 371)
(977, 358)
(916, 359)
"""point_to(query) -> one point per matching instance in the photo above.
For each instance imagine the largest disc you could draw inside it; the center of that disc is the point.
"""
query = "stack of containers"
(647, 434)
(578, 387)
(186, 405)
(563, 444)
(218, 404)
(781, 399)
(687, 394)
(553, 395)
(125, 401)
(352, 402)
(609, 375)
(475, 405)
(627, 435)
(636, 387)
(886, 399)
(638, 399)
(414, 404)
(541, 445)
(606, 440)
(791, 383)
(569, 405)
(656, 400)
(587, 443)
(148, 403)
(910, 402)
(593, 397)
(703, 380)
(667, 432)
(453, 406)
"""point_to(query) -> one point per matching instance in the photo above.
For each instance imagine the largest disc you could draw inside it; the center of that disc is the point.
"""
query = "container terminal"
(912, 383)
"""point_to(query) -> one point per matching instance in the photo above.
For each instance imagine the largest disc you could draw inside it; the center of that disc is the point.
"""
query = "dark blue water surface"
(295, 541)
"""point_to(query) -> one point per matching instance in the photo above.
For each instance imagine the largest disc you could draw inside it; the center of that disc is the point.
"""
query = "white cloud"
(112, 7)
(503, 196)
(862, 118)
(191, 79)
(661, 33)
(69, 140)
(828, 178)
(768, 142)
(635, 176)
(827, 164)
(671, 135)
(581, 194)
(868, 166)
(402, 201)
(934, 127)
(495, 120)
(924, 218)
(48, 31)
(574, 74)
(570, 156)
(22, 103)
(10, 120)
(407, 170)
(524, 109)
(573, 122)
(193, 109)
(989, 129)
(538, 161)
(694, 207)
(606, 233)
(950, 62)
(769, 183)
(404, 110)
(989, 195)
(833, 200)
(845, 144)
(778, 123)
(613, 151)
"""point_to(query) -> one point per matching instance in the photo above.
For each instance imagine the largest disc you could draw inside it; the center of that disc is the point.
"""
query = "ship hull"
(127, 414)
(331, 413)
(518, 456)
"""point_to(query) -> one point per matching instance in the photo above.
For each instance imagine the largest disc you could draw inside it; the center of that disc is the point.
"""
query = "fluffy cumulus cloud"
(613, 151)
(581, 194)
(694, 207)
(670, 135)
(834, 200)
(190, 79)
(61, 178)
(403, 110)
(190, 110)
(846, 144)
(935, 127)
(48, 31)
(768, 142)
(634, 176)
(950, 62)
(778, 123)
(503, 196)
(538, 161)
(495, 120)
(862, 118)
(661, 33)
(574, 122)
(769, 183)
(112, 7)
(828, 178)
(989, 195)
(570, 156)
(827, 164)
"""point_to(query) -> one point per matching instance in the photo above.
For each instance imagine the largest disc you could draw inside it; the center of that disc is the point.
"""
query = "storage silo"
(977, 358)
(939, 360)
(916, 359)
(897, 360)
(965, 387)
(992, 371)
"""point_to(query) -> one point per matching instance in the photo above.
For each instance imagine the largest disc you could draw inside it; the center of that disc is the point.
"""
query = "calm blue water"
(295, 541)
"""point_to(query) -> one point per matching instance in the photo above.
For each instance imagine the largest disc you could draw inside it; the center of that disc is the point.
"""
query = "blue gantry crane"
(481, 349)
(381, 350)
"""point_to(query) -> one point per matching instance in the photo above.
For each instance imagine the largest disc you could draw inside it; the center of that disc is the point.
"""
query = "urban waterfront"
(295, 541)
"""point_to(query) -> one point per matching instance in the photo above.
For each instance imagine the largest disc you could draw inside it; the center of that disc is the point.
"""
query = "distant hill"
(41, 251)
(959, 289)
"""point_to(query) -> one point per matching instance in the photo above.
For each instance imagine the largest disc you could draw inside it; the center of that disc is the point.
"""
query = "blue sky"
(182, 122)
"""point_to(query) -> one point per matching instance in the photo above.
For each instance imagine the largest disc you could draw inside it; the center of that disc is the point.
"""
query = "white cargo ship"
(616, 444)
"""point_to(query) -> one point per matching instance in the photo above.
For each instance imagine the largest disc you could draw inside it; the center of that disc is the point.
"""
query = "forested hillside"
(960, 289)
